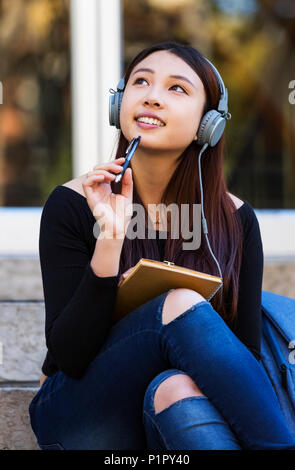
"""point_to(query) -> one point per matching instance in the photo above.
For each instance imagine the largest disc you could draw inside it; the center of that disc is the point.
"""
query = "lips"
(150, 115)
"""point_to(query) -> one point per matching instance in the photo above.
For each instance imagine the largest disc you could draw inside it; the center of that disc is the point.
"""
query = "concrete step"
(22, 326)
(15, 428)
(20, 278)
(279, 277)
(22, 337)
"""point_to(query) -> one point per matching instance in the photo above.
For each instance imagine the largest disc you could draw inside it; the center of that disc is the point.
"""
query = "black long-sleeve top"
(79, 304)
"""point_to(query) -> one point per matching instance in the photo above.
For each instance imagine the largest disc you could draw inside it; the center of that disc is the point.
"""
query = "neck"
(151, 174)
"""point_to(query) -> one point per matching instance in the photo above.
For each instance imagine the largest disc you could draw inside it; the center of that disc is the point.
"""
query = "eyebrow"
(181, 77)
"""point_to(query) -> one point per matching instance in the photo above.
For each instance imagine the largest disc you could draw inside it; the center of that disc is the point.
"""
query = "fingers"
(118, 161)
(101, 174)
(93, 179)
(124, 275)
(127, 272)
(98, 176)
(104, 174)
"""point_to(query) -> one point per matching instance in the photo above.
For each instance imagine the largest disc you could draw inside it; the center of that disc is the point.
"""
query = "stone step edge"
(18, 301)
(19, 385)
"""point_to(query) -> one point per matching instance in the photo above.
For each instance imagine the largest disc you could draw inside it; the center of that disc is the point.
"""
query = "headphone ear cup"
(115, 101)
(211, 128)
(111, 110)
(118, 109)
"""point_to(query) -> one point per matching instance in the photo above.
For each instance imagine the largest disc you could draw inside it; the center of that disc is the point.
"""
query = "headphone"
(211, 126)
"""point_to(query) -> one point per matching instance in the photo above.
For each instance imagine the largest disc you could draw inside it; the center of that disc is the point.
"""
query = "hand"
(42, 379)
(124, 275)
(112, 211)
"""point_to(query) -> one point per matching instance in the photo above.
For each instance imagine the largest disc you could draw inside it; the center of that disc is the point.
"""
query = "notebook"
(150, 278)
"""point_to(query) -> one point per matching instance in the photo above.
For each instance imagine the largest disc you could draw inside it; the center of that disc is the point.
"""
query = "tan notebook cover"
(150, 278)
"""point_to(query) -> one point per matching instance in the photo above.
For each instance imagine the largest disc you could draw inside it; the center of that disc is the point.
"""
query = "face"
(177, 102)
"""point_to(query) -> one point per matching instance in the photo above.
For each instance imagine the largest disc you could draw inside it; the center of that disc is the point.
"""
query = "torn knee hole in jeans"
(177, 316)
(178, 403)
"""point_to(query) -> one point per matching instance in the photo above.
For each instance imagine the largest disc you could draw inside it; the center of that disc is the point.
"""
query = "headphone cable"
(204, 223)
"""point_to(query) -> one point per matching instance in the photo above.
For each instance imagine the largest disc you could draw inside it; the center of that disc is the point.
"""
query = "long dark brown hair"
(224, 228)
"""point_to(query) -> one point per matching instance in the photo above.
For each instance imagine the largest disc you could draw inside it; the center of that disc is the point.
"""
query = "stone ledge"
(22, 334)
(279, 278)
(22, 325)
(20, 279)
(12, 385)
(15, 427)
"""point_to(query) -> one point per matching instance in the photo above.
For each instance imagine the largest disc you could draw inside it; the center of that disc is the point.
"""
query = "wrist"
(106, 257)
(109, 244)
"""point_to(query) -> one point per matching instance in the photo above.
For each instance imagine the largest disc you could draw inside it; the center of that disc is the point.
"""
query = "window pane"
(35, 126)
(252, 44)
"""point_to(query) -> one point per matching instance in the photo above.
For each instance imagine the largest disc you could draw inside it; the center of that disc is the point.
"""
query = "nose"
(152, 96)
(153, 102)
(151, 99)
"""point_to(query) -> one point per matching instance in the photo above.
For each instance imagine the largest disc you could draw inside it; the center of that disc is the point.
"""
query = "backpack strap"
(275, 349)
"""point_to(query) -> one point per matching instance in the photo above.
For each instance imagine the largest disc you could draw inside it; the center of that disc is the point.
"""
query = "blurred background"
(35, 117)
(251, 42)
(59, 59)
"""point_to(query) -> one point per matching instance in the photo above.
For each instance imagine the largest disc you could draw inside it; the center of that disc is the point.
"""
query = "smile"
(150, 121)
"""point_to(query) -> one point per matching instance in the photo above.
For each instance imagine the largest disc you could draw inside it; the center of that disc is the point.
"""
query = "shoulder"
(248, 218)
(250, 224)
(66, 222)
(64, 205)
(76, 184)
(238, 202)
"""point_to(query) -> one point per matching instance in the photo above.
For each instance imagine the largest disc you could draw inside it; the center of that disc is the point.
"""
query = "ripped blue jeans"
(112, 405)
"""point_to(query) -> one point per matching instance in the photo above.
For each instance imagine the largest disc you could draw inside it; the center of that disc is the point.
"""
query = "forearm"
(106, 257)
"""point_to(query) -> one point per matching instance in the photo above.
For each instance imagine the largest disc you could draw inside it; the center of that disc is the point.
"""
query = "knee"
(173, 389)
(178, 301)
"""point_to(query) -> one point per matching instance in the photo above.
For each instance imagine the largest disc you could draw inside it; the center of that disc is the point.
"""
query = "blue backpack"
(278, 349)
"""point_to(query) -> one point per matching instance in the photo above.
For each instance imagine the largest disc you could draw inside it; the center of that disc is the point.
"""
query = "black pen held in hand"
(129, 154)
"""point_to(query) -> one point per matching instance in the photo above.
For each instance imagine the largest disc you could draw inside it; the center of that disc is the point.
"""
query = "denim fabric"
(277, 350)
(275, 376)
(191, 423)
(281, 311)
(105, 408)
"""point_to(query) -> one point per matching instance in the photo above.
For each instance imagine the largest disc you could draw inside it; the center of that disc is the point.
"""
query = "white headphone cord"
(204, 223)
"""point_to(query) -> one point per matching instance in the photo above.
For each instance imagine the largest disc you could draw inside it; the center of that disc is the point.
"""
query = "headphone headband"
(222, 105)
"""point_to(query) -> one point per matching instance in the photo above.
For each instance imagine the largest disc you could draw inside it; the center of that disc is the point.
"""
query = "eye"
(179, 87)
(137, 80)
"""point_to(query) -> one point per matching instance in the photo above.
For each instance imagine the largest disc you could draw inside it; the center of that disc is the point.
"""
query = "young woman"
(178, 372)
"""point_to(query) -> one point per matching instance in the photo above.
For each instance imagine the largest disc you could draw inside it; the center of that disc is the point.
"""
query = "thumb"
(126, 273)
(127, 184)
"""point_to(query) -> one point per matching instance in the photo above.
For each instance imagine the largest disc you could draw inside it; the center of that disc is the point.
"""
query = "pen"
(129, 152)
